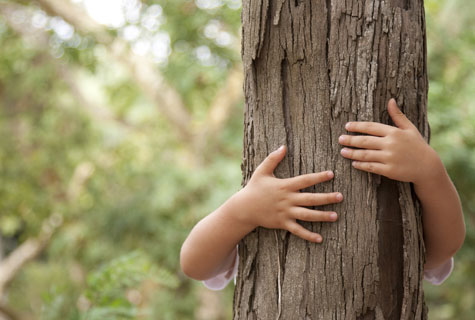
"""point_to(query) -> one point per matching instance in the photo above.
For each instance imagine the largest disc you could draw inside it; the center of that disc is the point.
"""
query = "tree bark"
(310, 67)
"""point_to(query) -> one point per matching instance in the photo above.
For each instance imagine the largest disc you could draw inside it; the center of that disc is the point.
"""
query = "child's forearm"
(265, 201)
(402, 154)
(210, 247)
(444, 227)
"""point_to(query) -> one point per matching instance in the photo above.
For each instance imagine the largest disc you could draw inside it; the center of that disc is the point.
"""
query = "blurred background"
(121, 126)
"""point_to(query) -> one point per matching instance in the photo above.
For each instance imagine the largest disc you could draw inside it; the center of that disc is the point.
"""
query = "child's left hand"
(399, 153)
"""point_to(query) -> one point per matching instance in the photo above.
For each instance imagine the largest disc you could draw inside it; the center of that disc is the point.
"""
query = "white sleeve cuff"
(435, 276)
(438, 275)
(220, 281)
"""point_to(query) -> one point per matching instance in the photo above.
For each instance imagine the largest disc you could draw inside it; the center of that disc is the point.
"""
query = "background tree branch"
(7, 314)
(40, 39)
(32, 247)
(144, 73)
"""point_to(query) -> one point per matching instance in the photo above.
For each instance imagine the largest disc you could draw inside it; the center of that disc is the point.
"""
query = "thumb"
(271, 162)
(399, 119)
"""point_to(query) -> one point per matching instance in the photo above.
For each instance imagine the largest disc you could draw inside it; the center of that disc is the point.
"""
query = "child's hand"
(397, 153)
(276, 203)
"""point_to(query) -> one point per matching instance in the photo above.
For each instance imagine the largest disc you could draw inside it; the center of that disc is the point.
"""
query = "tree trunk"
(310, 66)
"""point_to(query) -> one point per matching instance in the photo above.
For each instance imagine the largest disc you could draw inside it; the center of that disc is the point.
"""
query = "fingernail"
(347, 125)
(339, 197)
(318, 239)
(341, 139)
(280, 148)
(333, 215)
(344, 151)
(330, 174)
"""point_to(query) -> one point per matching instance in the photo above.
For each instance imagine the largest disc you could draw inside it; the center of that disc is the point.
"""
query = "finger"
(365, 142)
(307, 199)
(363, 155)
(303, 233)
(271, 162)
(372, 128)
(310, 215)
(307, 180)
(372, 167)
(399, 119)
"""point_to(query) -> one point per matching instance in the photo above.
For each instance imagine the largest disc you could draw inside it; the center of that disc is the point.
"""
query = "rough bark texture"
(310, 66)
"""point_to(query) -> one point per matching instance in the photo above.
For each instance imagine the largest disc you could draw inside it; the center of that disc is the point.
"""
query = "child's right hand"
(276, 203)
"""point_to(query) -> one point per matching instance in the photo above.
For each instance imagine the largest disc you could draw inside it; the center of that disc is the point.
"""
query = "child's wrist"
(432, 169)
(238, 213)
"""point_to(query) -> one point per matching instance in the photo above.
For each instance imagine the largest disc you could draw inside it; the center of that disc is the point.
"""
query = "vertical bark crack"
(285, 80)
(279, 278)
(327, 46)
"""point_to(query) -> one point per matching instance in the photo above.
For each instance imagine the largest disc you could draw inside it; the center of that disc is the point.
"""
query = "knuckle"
(314, 198)
(306, 234)
(390, 168)
(413, 129)
(281, 188)
(349, 139)
(307, 179)
(317, 216)
(365, 142)
(317, 176)
(284, 218)
(279, 209)
(281, 185)
(280, 224)
(320, 176)
(388, 155)
(391, 142)
(299, 215)
(326, 216)
(305, 216)
(292, 228)
(398, 133)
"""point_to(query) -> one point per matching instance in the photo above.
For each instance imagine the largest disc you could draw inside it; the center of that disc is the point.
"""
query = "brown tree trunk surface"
(311, 66)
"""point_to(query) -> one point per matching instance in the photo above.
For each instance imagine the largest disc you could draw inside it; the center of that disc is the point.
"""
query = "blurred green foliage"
(451, 47)
(129, 188)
